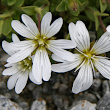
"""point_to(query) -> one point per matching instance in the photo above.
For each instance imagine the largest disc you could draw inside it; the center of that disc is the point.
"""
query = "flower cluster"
(31, 57)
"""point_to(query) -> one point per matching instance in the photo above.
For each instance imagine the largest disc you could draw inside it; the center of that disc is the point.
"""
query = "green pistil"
(41, 41)
(25, 64)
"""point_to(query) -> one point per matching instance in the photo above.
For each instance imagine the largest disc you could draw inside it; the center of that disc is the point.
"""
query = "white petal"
(56, 58)
(22, 54)
(65, 44)
(83, 80)
(19, 45)
(80, 35)
(37, 66)
(15, 38)
(8, 48)
(33, 79)
(67, 66)
(9, 64)
(21, 82)
(103, 66)
(66, 55)
(22, 29)
(55, 27)
(12, 81)
(108, 28)
(45, 23)
(10, 71)
(46, 66)
(102, 45)
(4, 45)
(72, 28)
(30, 24)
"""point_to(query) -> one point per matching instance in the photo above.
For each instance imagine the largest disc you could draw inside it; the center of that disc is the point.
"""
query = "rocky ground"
(55, 94)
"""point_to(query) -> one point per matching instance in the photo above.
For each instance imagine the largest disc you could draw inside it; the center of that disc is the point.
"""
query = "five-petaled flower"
(87, 58)
(19, 71)
(39, 43)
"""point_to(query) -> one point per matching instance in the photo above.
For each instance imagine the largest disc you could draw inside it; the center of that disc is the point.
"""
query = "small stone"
(56, 85)
(37, 93)
(24, 105)
(38, 105)
(105, 86)
(62, 88)
(58, 101)
(104, 102)
(86, 96)
(31, 86)
(6, 104)
(83, 105)
(96, 84)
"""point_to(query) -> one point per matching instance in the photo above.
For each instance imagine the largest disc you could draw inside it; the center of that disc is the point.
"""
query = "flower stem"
(39, 22)
(103, 26)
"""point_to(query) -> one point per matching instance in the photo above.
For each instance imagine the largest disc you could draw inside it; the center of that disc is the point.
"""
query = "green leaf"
(6, 14)
(19, 2)
(106, 20)
(11, 2)
(101, 14)
(103, 5)
(62, 6)
(30, 10)
(99, 33)
(6, 28)
(96, 22)
(90, 12)
(1, 24)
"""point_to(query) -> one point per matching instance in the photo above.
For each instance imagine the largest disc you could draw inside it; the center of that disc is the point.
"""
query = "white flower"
(19, 71)
(40, 43)
(87, 57)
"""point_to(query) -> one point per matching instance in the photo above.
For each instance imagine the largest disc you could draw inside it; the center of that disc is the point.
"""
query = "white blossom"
(87, 58)
(40, 44)
(19, 71)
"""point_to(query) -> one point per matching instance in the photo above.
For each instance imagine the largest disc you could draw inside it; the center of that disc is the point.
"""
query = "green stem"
(39, 22)
(103, 26)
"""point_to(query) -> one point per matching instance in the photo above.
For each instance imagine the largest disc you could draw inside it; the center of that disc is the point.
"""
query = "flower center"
(41, 41)
(25, 64)
(89, 55)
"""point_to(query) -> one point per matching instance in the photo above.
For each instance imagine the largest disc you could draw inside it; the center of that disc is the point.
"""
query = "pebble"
(96, 84)
(104, 102)
(39, 105)
(83, 105)
(24, 105)
(31, 86)
(86, 96)
(6, 104)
